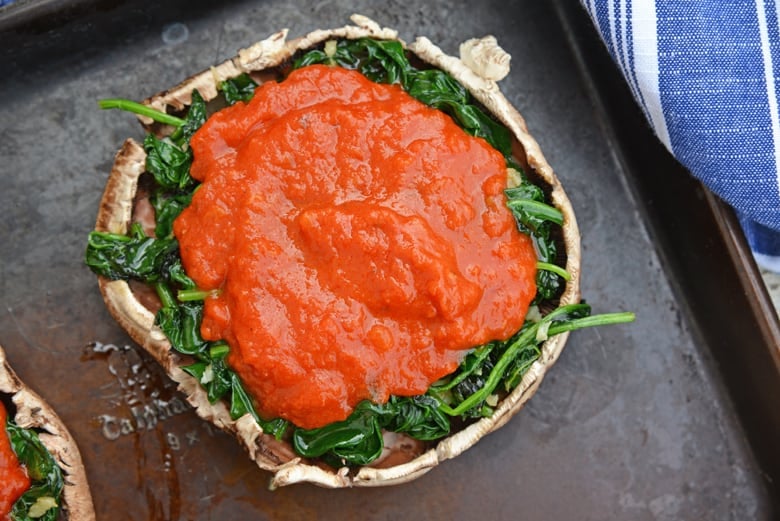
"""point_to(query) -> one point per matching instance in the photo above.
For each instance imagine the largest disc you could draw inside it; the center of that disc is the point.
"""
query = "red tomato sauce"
(13, 478)
(359, 240)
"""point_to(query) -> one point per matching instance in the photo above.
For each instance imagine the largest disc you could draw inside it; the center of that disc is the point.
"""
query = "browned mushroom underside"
(32, 412)
(404, 459)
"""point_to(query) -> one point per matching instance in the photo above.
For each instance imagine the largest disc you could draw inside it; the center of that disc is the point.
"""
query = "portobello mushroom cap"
(32, 412)
(404, 459)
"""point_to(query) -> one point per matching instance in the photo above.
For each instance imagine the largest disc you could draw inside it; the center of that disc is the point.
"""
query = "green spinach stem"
(189, 295)
(547, 266)
(592, 321)
(541, 210)
(140, 109)
(219, 350)
(166, 295)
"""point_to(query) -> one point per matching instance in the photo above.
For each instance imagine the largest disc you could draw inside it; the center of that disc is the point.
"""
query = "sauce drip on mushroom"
(13, 477)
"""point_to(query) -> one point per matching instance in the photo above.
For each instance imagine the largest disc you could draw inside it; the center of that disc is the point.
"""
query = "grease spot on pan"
(175, 33)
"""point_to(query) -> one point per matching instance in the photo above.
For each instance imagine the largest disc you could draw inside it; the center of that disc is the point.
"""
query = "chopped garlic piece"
(533, 314)
(330, 48)
(42, 505)
(208, 374)
(541, 333)
(513, 178)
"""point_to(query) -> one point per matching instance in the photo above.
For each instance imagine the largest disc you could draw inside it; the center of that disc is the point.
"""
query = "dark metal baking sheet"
(667, 418)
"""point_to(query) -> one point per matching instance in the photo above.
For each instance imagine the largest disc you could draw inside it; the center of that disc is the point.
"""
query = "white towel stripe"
(644, 28)
(769, 79)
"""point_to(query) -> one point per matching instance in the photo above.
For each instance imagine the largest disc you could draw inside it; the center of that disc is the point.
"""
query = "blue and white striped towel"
(707, 75)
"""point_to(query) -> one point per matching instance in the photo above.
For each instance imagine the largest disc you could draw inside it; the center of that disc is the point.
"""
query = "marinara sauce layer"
(13, 478)
(359, 242)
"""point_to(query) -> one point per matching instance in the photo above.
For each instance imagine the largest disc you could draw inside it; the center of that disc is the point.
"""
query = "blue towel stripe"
(602, 19)
(616, 33)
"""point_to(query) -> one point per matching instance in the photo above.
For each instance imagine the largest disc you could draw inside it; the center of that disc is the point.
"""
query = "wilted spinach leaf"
(354, 441)
(417, 416)
(240, 88)
(133, 256)
(167, 207)
(181, 324)
(196, 117)
(168, 163)
(358, 439)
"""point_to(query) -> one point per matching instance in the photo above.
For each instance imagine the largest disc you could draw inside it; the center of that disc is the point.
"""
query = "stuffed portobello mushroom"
(348, 252)
(41, 473)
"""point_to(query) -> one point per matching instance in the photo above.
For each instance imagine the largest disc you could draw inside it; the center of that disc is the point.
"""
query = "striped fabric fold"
(706, 74)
